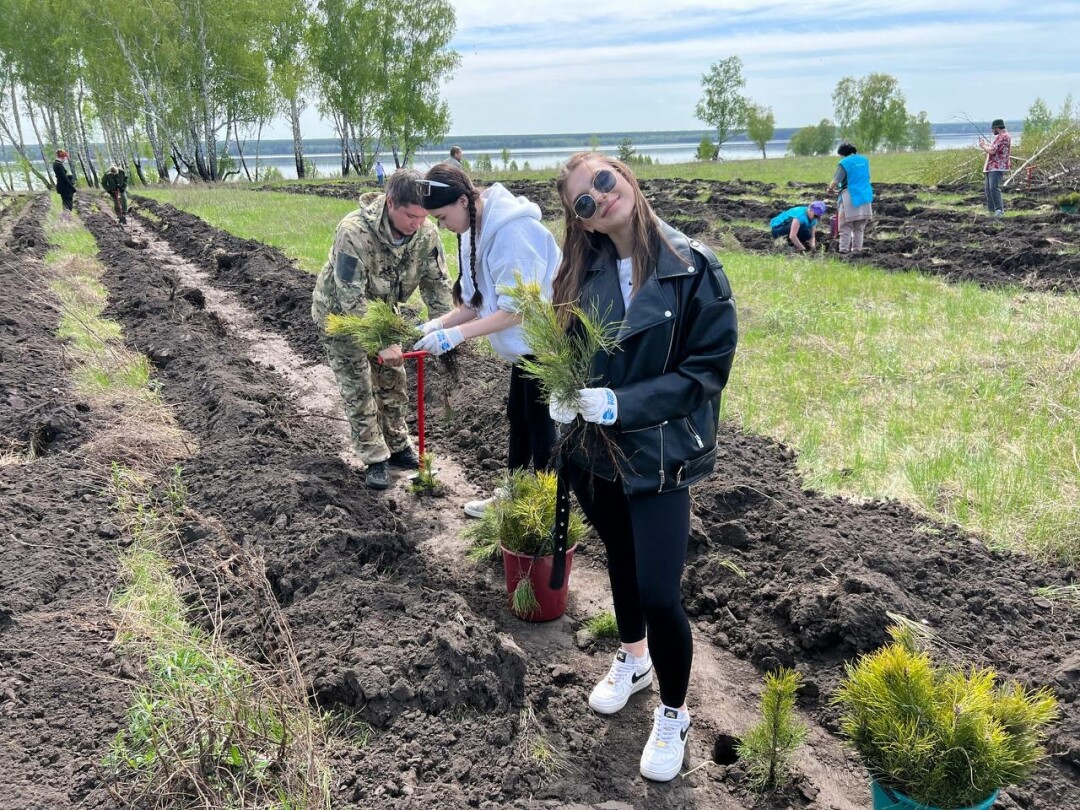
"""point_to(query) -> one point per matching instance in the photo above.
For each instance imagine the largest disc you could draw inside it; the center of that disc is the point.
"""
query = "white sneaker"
(662, 758)
(628, 674)
(476, 509)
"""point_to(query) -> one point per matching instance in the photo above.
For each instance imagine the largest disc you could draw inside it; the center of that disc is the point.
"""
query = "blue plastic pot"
(888, 799)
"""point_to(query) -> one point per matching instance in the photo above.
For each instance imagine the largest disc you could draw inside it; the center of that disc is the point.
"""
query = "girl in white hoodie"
(503, 236)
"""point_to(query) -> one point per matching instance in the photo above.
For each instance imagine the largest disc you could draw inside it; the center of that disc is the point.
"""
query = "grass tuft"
(603, 625)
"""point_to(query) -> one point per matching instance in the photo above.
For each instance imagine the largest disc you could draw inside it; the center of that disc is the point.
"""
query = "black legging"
(532, 433)
(645, 536)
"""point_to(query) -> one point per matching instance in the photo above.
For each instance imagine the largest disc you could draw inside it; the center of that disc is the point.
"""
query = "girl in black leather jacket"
(657, 400)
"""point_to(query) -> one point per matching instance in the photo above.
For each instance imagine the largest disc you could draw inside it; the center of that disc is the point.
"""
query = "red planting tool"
(419, 357)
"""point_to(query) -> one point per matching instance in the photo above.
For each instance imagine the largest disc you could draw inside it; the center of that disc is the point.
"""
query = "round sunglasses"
(585, 206)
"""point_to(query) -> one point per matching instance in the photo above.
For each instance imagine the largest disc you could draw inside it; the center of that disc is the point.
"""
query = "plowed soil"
(391, 625)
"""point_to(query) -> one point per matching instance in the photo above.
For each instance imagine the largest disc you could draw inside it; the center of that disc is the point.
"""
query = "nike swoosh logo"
(636, 678)
(683, 733)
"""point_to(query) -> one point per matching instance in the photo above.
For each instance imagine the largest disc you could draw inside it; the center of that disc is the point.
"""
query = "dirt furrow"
(63, 691)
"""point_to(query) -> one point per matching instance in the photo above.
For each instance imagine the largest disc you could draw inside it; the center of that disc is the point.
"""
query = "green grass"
(961, 401)
(68, 238)
(103, 366)
(903, 167)
(301, 225)
(202, 724)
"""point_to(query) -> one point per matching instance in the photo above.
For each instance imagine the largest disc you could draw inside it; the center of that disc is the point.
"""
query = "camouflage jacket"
(365, 264)
(114, 182)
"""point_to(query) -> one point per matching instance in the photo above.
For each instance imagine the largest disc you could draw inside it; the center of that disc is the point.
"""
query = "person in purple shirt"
(998, 153)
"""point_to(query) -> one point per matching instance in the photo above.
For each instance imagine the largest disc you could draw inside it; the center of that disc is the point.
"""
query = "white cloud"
(561, 65)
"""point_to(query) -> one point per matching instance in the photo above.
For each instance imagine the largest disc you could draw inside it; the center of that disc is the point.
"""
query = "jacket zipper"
(661, 457)
(694, 433)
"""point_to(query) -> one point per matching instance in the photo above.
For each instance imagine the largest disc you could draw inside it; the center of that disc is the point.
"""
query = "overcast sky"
(608, 65)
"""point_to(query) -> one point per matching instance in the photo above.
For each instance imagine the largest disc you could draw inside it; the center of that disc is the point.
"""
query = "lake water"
(329, 164)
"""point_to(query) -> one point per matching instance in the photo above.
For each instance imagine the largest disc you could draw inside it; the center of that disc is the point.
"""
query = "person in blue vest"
(799, 225)
(855, 207)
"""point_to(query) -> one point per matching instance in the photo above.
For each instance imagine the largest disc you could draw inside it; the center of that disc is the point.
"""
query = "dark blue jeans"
(805, 234)
(994, 201)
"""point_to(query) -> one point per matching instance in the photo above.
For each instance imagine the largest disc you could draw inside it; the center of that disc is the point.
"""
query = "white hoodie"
(512, 240)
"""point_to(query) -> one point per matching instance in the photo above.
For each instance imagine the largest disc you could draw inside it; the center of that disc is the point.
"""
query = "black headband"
(434, 194)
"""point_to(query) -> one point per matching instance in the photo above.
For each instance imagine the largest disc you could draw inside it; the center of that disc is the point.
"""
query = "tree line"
(870, 111)
(171, 83)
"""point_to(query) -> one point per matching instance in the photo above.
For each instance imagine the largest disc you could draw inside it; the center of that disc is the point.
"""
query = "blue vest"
(858, 179)
(799, 212)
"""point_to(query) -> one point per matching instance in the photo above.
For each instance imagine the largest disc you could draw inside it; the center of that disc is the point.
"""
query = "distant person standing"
(65, 183)
(380, 173)
(455, 157)
(998, 153)
(855, 207)
(799, 225)
(115, 183)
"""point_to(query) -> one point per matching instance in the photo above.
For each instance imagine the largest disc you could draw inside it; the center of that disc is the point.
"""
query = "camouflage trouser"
(376, 399)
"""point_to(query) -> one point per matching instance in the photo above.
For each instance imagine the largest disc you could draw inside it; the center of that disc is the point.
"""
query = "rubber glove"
(440, 341)
(433, 325)
(599, 405)
(561, 413)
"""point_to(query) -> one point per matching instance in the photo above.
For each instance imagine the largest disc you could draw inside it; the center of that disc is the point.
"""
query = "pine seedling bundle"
(378, 328)
(561, 360)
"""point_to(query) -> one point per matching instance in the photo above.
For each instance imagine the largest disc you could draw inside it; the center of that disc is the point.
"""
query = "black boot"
(378, 475)
(405, 459)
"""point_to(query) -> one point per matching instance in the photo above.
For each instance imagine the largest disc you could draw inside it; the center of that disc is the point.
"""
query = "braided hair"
(458, 185)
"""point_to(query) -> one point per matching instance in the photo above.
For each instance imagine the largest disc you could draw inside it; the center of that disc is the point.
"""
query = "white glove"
(599, 405)
(440, 341)
(561, 413)
(431, 326)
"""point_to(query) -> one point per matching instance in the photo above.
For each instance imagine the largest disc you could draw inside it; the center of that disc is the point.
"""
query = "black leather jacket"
(676, 345)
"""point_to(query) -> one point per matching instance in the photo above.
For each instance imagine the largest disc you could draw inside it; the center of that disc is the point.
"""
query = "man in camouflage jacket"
(115, 183)
(383, 250)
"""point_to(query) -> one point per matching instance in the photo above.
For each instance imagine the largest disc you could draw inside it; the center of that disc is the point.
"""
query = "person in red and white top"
(997, 163)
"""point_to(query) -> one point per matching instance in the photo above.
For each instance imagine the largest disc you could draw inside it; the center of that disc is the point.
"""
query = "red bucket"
(521, 566)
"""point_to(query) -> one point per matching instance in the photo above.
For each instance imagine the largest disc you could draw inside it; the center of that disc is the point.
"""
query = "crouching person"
(799, 225)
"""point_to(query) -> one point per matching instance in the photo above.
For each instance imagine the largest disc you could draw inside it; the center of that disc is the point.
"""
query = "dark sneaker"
(405, 459)
(378, 475)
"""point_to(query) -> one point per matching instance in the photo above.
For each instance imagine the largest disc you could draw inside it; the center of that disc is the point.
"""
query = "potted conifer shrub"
(939, 738)
(518, 527)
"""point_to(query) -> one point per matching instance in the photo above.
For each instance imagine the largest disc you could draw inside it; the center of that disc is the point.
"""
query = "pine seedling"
(769, 747)
(378, 328)
(523, 601)
(426, 482)
(521, 520)
(561, 361)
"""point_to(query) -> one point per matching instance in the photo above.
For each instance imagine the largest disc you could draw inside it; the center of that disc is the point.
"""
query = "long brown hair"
(462, 186)
(581, 247)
